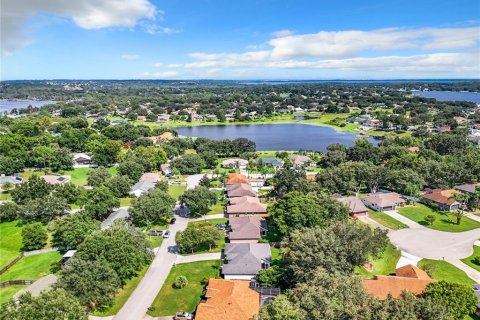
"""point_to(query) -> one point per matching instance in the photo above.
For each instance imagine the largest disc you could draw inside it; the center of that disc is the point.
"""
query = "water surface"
(450, 95)
(9, 105)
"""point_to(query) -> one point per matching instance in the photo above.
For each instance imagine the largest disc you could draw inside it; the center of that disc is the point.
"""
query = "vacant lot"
(444, 221)
(170, 301)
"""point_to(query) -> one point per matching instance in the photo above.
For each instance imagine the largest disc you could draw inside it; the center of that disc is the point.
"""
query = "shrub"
(34, 237)
(430, 219)
(180, 282)
(476, 260)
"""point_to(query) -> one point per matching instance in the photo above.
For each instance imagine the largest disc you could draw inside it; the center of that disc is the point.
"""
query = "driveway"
(397, 216)
(433, 244)
(198, 257)
(194, 179)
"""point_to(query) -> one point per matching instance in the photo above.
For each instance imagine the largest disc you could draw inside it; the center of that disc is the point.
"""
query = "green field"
(32, 267)
(10, 242)
(384, 265)
(276, 254)
(444, 221)
(176, 190)
(469, 260)
(441, 270)
(7, 293)
(385, 220)
(217, 208)
(122, 295)
(170, 301)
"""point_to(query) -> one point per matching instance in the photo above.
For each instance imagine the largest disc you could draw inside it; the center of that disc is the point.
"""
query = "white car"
(183, 316)
(166, 234)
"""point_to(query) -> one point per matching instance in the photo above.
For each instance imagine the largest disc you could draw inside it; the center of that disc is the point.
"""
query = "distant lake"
(9, 105)
(276, 136)
(450, 95)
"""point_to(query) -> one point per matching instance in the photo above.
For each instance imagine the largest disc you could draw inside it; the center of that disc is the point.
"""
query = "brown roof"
(150, 177)
(236, 178)
(414, 149)
(354, 204)
(409, 278)
(55, 179)
(247, 227)
(384, 199)
(228, 300)
(240, 190)
(246, 205)
(441, 196)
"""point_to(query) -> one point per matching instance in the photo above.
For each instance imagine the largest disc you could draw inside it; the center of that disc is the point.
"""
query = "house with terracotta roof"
(356, 206)
(236, 178)
(384, 201)
(246, 229)
(240, 190)
(245, 206)
(443, 198)
(407, 278)
(242, 261)
(228, 300)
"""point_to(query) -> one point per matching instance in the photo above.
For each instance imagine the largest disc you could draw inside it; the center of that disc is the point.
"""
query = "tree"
(272, 276)
(180, 282)
(9, 211)
(280, 309)
(131, 169)
(189, 164)
(460, 300)
(297, 210)
(307, 249)
(42, 156)
(68, 191)
(290, 179)
(54, 304)
(205, 182)
(198, 200)
(99, 202)
(45, 208)
(154, 156)
(33, 188)
(93, 282)
(430, 219)
(197, 237)
(152, 207)
(104, 152)
(7, 186)
(61, 160)
(98, 176)
(461, 198)
(34, 236)
(119, 185)
(72, 229)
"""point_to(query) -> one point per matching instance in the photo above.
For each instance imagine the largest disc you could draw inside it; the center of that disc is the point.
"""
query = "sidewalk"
(471, 273)
(198, 257)
(410, 223)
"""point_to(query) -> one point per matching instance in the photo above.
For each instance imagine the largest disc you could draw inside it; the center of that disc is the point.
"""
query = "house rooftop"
(468, 187)
(150, 177)
(355, 204)
(117, 214)
(246, 205)
(12, 179)
(55, 179)
(245, 258)
(240, 190)
(384, 199)
(246, 227)
(236, 178)
(441, 196)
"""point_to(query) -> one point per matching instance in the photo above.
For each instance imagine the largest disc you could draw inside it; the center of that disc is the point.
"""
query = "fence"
(16, 283)
(8, 266)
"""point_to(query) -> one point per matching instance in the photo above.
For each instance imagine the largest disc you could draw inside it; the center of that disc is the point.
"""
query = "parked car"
(220, 226)
(166, 234)
(156, 233)
(183, 316)
(173, 220)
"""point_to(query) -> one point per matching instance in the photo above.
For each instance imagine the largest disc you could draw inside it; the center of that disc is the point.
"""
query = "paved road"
(433, 244)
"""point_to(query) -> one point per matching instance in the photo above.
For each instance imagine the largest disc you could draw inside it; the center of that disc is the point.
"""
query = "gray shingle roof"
(11, 179)
(118, 214)
(245, 258)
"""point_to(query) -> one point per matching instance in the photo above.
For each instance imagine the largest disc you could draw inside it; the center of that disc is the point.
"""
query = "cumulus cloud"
(424, 50)
(164, 74)
(174, 65)
(87, 14)
(154, 29)
(130, 56)
(282, 33)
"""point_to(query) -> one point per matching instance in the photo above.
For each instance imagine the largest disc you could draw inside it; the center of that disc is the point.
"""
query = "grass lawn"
(443, 270)
(32, 267)
(384, 265)
(7, 293)
(176, 190)
(220, 243)
(276, 255)
(469, 260)
(5, 196)
(125, 201)
(10, 242)
(444, 221)
(217, 208)
(385, 220)
(170, 301)
(123, 294)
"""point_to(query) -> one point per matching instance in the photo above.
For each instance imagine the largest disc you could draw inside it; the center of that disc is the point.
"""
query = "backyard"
(441, 270)
(384, 265)
(79, 175)
(385, 220)
(10, 242)
(444, 221)
(170, 300)
(469, 260)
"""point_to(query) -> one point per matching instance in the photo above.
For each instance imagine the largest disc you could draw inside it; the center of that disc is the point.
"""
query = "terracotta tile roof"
(236, 178)
(228, 300)
(441, 196)
(409, 278)
(246, 205)
(240, 190)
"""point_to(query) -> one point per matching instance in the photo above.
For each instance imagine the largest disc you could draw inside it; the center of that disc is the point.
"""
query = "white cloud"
(282, 33)
(174, 65)
(130, 56)
(157, 65)
(154, 29)
(87, 14)
(164, 74)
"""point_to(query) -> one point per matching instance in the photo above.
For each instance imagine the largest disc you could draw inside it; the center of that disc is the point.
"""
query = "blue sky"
(250, 39)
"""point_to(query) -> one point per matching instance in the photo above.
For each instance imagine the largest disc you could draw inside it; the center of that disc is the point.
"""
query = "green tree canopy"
(152, 207)
(198, 200)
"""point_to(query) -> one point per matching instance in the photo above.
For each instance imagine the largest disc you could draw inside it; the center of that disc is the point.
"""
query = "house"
(240, 190)
(141, 187)
(166, 170)
(242, 261)
(150, 177)
(460, 120)
(246, 229)
(234, 163)
(244, 206)
(413, 149)
(67, 256)
(356, 206)
(163, 118)
(10, 179)
(236, 178)
(407, 278)
(117, 122)
(299, 160)
(466, 188)
(55, 179)
(443, 198)
(274, 162)
(384, 201)
(115, 215)
(81, 159)
(443, 129)
(141, 118)
(228, 300)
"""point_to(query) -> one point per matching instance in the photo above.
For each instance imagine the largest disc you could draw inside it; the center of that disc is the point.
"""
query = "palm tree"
(462, 198)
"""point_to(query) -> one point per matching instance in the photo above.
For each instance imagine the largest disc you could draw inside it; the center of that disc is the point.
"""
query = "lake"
(9, 105)
(450, 95)
(276, 136)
